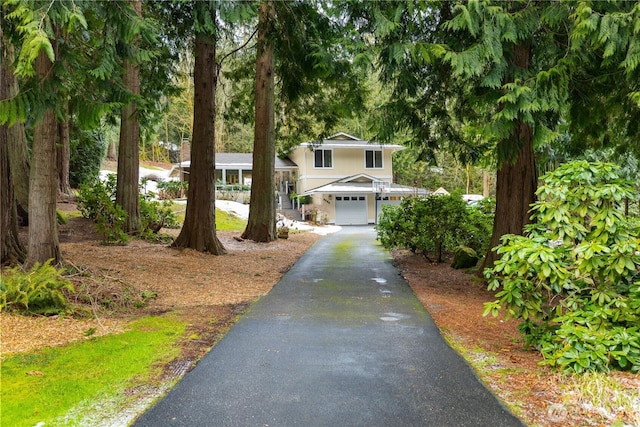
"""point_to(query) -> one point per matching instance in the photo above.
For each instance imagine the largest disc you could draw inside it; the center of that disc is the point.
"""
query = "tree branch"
(239, 48)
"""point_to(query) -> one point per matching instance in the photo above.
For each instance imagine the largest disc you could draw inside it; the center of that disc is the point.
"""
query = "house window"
(373, 159)
(323, 158)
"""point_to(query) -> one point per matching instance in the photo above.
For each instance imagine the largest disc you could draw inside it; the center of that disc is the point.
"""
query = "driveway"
(341, 340)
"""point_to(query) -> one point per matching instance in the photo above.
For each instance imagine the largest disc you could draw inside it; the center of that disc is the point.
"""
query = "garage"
(351, 210)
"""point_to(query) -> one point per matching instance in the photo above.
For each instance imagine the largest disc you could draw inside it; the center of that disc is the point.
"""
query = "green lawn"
(225, 221)
(46, 386)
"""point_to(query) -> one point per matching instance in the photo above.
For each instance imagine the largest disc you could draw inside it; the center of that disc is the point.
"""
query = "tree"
(43, 183)
(300, 42)
(15, 138)
(199, 228)
(473, 77)
(127, 188)
(261, 225)
(11, 249)
(63, 153)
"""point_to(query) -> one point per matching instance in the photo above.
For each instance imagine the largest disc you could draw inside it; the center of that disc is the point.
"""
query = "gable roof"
(344, 140)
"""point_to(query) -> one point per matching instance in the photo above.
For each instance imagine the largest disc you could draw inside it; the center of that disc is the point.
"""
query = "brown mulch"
(210, 291)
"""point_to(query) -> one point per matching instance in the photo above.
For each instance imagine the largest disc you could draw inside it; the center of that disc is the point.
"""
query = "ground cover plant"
(39, 290)
(573, 277)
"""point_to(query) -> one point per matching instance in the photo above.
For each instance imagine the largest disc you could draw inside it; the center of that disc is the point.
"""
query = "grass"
(45, 386)
(226, 221)
(605, 395)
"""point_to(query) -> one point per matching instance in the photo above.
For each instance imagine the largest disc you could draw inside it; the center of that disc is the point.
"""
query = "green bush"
(96, 201)
(37, 291)
(155, 215)
(573, 277)
(88, 148)
(436, 225)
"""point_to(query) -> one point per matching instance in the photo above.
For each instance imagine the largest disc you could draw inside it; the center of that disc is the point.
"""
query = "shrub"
(39, 290)
(96, 201)
(436, 225)
(88, 149)
(154, 215)
(573, 277)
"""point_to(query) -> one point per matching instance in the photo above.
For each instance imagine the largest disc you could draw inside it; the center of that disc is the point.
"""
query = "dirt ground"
(117, 283)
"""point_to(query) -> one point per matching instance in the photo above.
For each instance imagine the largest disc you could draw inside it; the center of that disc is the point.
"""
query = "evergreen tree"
(261, 225)
(199, 228)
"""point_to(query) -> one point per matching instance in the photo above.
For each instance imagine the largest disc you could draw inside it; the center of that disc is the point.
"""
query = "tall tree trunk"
(111, 152)
(517, 179)
(11, 249)
(261, 225)
(43, 182)
(16, 139)
(199, 228)
(127, 187)
(63, 153)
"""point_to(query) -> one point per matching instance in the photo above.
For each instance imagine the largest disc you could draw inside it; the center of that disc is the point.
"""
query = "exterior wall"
(346, 162)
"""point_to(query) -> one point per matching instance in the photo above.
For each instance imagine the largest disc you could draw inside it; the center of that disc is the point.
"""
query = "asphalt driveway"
(341, 340)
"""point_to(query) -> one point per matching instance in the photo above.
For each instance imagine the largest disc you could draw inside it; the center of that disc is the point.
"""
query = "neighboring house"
(348, 179)
(236, 169)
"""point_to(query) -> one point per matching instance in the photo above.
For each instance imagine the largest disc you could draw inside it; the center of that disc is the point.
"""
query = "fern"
(41, 290)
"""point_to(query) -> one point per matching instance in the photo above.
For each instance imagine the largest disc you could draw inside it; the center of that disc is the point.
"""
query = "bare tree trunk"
(486, 184)
(43, 183)
(63, 153)
(16, 141)
(199, 228)
(127, 187)
(11, 249)
(261, 225)
(517, 180)
(515, 192)
(111, 152)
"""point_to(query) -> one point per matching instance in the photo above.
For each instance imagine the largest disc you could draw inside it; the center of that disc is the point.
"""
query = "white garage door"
(351, 210)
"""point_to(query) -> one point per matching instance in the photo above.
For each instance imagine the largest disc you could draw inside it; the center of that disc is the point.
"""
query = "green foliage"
(41, 290)
(96, 201)
(87, 152)
(573, 278)
(155, 215)
(434, 225)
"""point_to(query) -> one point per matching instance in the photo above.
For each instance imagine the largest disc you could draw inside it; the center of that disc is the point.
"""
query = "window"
(373, 159)
(323, 158)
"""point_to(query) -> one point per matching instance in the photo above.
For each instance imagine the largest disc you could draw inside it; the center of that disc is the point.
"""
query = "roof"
(344, 140)
(365, 184)
(441, 191)
(241, 161)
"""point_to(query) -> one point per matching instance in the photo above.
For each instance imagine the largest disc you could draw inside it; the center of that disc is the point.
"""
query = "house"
(349, 179)
(233, 169)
